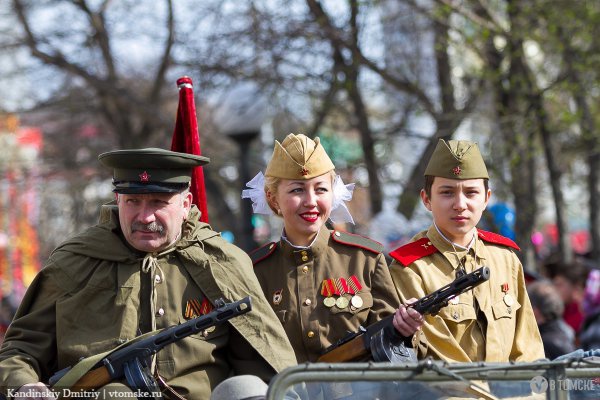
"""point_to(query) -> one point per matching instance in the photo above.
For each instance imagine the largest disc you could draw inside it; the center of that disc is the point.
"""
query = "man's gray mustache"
(151, 227)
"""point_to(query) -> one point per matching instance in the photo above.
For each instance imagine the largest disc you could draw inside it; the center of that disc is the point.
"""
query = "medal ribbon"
(325, 289)
(341, 285)
(193, 308)
(206, 306)
(188, 310)
(355, 283)
(329, 288)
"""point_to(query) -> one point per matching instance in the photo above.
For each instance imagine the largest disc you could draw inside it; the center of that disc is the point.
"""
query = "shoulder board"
(413, 251)
(357, 241)
(257, 255)
(492, 237)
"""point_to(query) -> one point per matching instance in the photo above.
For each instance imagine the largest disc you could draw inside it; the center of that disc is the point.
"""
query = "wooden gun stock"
(352, 350)
(93, 379)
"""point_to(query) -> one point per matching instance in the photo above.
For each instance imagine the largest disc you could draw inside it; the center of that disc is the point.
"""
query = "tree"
(367, 67)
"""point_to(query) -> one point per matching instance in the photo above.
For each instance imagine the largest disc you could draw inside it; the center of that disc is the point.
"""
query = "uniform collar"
(457, 246)
(444, 246)
(298, 247)
(301, 254)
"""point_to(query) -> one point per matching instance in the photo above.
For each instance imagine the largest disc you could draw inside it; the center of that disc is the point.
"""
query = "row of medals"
(342, 302)
(508, 300)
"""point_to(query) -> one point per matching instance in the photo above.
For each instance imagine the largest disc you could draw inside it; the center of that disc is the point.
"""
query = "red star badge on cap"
(304, 171)
(144, 177)
(456, 170)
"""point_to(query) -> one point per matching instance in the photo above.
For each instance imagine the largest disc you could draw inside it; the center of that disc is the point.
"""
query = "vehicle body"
(428, 379)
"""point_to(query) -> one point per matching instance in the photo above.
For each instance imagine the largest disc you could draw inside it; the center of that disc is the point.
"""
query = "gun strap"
(84, 366)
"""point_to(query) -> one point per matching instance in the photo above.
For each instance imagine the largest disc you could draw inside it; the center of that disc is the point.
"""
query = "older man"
(148, 264)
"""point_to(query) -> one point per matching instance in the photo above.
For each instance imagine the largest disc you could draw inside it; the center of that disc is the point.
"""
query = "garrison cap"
(457, 159)
(151, 170)
(298, 157)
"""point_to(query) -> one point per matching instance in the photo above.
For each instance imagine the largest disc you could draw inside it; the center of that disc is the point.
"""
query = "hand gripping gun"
(381, 342)
(132, 361)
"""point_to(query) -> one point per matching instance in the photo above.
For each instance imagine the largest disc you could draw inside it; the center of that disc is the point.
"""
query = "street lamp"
(240, 116)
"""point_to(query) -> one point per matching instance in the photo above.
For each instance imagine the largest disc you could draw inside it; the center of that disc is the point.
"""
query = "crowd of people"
(566, 302)
(151, 263)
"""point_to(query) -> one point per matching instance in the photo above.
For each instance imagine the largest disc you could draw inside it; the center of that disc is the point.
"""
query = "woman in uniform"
(322, 283)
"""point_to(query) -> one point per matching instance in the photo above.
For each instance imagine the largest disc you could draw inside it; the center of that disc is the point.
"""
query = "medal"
(328, 289)
(341, 303)
(329, 302)
(356, 301)
(277, 297)
(508, 299)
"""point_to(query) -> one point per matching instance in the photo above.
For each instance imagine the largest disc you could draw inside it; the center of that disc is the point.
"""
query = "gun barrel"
(429, 303)
(154, 343)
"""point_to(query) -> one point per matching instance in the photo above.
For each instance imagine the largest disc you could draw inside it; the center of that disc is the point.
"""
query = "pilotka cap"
(151, 170)
(457, 159)
(298, 157)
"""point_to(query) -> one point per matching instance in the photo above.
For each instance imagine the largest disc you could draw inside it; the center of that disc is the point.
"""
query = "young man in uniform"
(494, 321)
(149, 264)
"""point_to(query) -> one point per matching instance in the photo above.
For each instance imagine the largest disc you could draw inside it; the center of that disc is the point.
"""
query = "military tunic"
(89, 298)
(493, 322)
(292, 280)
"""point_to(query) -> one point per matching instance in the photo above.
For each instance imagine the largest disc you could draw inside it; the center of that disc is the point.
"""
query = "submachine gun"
(132, 361)
(381, 342)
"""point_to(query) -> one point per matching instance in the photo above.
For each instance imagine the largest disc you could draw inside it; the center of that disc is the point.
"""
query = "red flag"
(187, 140)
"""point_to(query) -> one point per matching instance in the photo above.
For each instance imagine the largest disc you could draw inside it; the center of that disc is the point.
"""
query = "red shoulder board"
(257, 255)
(492, 237)
(351, 239)
(413, 251)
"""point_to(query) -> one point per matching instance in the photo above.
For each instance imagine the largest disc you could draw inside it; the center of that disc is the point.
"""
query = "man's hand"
(35, 391)
(406, 320)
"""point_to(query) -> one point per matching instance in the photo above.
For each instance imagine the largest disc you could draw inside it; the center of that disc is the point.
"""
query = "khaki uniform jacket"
(493, 322)
(292, 278)
(89, 298)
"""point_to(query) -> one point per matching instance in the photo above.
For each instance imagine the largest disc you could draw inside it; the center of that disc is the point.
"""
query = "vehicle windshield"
(435, 380)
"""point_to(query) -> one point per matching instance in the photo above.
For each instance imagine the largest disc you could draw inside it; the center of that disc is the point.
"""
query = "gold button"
(304, 252)
(304, 258)
(157, 279)
(161, 312)
(305, 269)
(337, 233)
(310, 334)
(307, 302)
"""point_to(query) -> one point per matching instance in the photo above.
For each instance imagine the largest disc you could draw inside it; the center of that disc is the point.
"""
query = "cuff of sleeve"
(14, 378)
